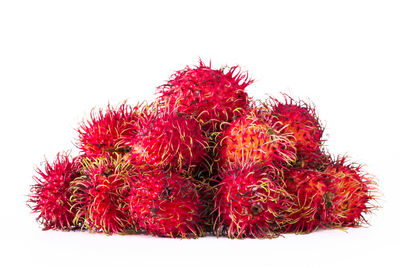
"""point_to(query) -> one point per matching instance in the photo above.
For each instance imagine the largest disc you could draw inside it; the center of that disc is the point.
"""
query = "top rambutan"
(300, 120)
(102, 134)
(212, 96)
(167, 139)
(51, 194)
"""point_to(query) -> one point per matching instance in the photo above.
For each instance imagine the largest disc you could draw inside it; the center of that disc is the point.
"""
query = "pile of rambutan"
(203, 159)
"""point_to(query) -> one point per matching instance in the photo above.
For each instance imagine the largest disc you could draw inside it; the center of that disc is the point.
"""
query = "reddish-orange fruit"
(300, 120)
(314, 196)
(102, 134)
(210, 95)
(50, 196)
(354, 193)
(99, 196)
(250, 202)
(165, 203)
(251, 138)
(168, 140)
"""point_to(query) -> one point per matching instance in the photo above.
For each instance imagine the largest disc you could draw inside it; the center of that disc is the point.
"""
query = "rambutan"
(99, 196)
(168, 140)
(50, 196)
(314, 194)
(250, 202)
(301, 120)
(210, 95)
(254, 138)
(103, 132)
(354, 193)
(166, 203)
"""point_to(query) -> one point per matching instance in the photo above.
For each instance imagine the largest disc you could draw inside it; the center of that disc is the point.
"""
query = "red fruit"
(102, 134)
(314, 195)
(250, 202)
(165, 203)
(100, 195)
(51, 194)
(212, 96)
(168, 140)
(354, 193)
(300, 120)
(251, 138)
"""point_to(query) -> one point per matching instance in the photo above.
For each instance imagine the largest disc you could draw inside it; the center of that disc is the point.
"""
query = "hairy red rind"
(167, 139)
(102, 134)
(50, 196)
(250, 202)
(257, 139)
(165, 203)
(210, 95)
(99, 196)
(355, 193)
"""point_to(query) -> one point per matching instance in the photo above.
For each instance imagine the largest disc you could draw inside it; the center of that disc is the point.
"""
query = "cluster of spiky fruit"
(204, 158)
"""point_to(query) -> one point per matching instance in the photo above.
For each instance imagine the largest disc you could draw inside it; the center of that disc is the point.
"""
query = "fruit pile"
(203, 159)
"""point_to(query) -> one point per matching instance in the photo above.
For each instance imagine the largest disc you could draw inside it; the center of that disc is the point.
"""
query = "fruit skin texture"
(212, 96)
(355, 193)
(50, 196)
(167, 140)
(99, 196)
(251, 138)
(165, 203)
(313, 192)
(300, 120)
(250, 202)
(101, 135)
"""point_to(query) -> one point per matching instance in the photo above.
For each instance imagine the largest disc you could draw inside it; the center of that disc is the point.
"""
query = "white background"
(59, 59)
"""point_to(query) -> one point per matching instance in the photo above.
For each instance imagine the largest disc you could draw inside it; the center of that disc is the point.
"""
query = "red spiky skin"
(212, 96)
(354, 193)
(250, 138)
(102, 134)
(250, 202)
(50, 196)
(314, 194)
(300, 120)
(100, 195)
(165, 203)
(168, 140)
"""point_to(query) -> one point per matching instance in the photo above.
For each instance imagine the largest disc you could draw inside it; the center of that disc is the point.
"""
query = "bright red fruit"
(103, 133)
(300, 119)
(250, 202)
(355, 193)
(212, 96)
(314, 195)
(99, 196)
(251, 138)
(50, 196)
(165, 203)
(168, 140)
